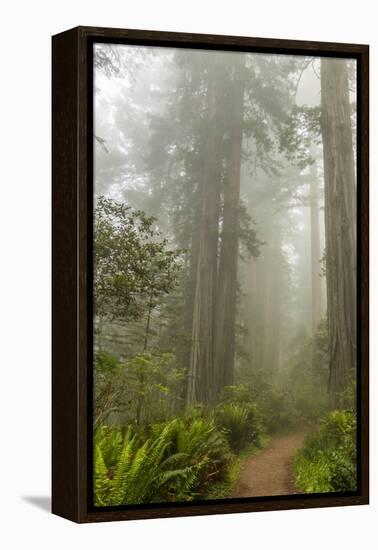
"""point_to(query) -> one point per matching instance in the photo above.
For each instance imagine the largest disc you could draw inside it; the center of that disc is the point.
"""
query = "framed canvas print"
(210, 274)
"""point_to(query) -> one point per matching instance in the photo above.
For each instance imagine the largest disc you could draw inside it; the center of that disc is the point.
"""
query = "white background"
(25, 273)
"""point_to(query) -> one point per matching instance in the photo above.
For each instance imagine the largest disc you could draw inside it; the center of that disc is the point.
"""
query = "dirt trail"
(271, 471)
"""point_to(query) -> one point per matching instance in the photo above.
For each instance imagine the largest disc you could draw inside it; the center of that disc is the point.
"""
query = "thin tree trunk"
(251, 313)
(264, 272)
(141, 381)
(340, 223)
(147, 331)
(190, 291)
(273, 300)
(316, 291)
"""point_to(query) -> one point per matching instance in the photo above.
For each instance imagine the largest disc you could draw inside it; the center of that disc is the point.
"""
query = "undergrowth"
(195, 456)
(327, 461)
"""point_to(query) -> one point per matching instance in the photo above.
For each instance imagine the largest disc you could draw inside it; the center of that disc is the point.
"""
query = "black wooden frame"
(72, 104)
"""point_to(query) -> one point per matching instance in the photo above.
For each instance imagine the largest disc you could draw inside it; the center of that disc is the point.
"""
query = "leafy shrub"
(144, 387)
(295, 396)
(109, 386)
(241, 424)
(327, 461)
(239, 394)
(147, 378)
(271, 395)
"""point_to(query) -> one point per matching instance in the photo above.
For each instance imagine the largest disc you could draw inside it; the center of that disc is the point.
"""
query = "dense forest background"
(224, 269)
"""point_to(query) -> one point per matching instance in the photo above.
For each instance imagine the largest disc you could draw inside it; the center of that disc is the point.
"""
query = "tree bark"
(147, 330)
(272, 355)
(200, 386)
(316, 291)
(228, 265)
(340, 224)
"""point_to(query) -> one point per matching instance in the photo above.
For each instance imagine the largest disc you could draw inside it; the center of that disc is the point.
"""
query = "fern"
(176, 462)
(240, 424)
(110, 441)
(101, 480)
(327, 461)
(121, 476)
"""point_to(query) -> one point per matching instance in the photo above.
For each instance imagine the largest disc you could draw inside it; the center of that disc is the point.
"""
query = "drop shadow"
(41, 502)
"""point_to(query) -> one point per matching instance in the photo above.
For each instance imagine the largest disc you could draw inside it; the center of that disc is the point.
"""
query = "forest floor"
(270, 472)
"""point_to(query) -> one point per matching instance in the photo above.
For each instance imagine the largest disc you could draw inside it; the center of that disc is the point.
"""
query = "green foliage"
(265, 390)
(241, 424)
(109, 386)
(266, 400)
(144, 388)
(301, 129)
(148, 389)
(320, 347)
(101, 479)
(176, 461)
(296, 396)
(137, 471)
(106, 363)
(248, 234)
(327, 461)
(132, 264)
(238, 394)
(198, 442)
(306, 383)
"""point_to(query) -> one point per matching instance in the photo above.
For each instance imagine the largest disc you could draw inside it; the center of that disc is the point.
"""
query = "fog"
(210, 170)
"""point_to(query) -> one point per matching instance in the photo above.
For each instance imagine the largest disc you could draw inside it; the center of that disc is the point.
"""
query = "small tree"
(132, 265)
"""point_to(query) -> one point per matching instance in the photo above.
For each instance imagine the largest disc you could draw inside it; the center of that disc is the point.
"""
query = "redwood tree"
(229, 253)
(340, 223)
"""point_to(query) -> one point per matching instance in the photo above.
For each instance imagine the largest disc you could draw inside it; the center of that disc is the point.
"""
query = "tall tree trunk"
(251, 313)
(200, 386)
(189, 297)
(273, 298)
(264, 272)
(228, 265)
(340, 224)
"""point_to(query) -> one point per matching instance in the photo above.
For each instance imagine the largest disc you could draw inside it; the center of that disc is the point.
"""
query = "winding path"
(270, 472)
